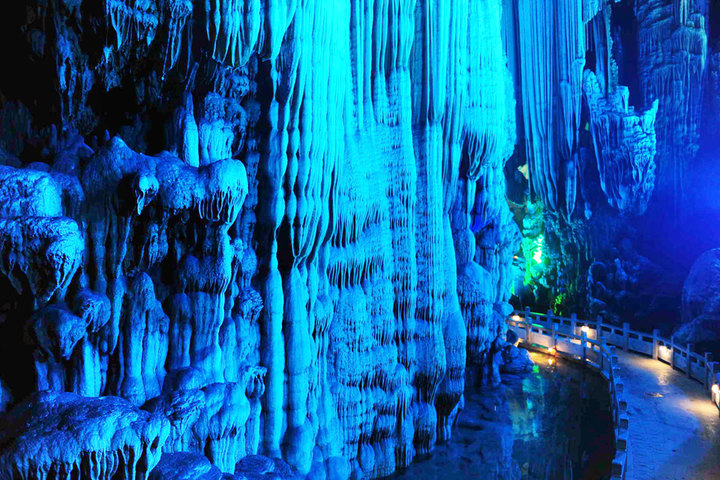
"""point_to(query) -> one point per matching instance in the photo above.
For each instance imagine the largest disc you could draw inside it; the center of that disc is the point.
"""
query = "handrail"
(701, 368)
(594, 353)
(596, 341)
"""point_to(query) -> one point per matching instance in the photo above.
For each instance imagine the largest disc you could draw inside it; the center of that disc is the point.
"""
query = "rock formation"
(618, 121)
(701, 300)
(673, 43)
(625, 146)
(273, 237)
(256, 223)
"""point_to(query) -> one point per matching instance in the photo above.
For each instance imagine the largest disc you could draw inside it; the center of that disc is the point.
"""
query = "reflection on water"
(562, 425)
(555, 424)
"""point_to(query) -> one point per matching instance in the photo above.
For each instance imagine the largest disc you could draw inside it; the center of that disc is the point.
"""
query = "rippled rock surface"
(282, 227)
(252, 221)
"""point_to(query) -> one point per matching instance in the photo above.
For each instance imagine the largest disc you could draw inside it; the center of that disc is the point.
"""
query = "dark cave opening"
(624, 33)
(16, 356)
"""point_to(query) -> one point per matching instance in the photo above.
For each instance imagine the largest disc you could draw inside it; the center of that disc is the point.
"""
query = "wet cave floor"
(553, 424)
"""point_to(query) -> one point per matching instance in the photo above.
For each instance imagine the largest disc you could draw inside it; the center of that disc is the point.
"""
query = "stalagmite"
(297, 244)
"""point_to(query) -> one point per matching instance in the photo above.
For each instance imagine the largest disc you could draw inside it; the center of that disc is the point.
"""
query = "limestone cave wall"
(275, 238)
(241, 227)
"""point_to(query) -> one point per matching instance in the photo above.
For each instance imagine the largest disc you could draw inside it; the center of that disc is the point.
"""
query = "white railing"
(593, 343)
(550, 334)
(679, 356)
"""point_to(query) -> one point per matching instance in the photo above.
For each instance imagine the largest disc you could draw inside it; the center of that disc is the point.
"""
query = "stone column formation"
(279, 227)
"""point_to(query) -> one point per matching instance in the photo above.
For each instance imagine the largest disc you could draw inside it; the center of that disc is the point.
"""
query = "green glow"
(535, 261)
(537, 255)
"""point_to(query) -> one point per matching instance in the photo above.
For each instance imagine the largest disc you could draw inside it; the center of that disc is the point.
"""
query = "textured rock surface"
(185, 466)
(283, 226)
(701, 300)
(64, 435)
(268, 243)
(673, 43)
(634, 158)
(625, 146)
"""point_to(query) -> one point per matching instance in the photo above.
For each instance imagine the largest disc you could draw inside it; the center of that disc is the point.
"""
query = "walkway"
(667, 427)
(675, 433)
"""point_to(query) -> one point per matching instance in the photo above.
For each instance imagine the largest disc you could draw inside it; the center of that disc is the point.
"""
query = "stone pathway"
(674, 427)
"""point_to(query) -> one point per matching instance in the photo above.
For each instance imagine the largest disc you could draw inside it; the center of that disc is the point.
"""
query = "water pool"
(554, 424)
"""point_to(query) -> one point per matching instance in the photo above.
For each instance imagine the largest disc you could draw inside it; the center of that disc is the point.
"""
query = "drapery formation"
(552, 38)
(311, 264)
(673, 42)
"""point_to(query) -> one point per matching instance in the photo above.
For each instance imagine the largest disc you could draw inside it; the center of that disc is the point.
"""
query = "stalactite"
(490, 114)
(590, 8)
(296, 275)
(672, 36)
(233, 28)
(178, 11)
(138, 20)
(552, 59)
(624, 147)
(536, 27)
(118, 440)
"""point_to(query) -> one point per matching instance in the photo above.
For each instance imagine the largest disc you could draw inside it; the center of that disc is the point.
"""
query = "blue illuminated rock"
(701, 300)
(53, 435)
(185, 466)
(673, 50)
(625, 146)
(282, 227)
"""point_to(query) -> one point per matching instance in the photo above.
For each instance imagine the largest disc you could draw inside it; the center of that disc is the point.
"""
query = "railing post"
(554, 333)
(584, 346)
(573, 323)
(672, 351)
(527, 312)
(656, 334)
(708, 367)
(598, 332)
(689, 359)
(528, 329)
(626, 335)
(602, 355)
